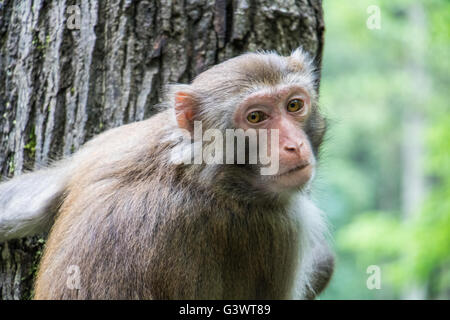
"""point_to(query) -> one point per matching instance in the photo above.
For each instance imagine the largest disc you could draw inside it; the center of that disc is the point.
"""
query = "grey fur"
(29, 202)
(140, 227)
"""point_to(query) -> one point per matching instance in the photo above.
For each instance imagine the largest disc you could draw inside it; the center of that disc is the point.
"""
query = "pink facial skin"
(296, 159)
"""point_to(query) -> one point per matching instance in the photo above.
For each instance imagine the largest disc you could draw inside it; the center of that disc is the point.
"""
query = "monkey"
(136, 224)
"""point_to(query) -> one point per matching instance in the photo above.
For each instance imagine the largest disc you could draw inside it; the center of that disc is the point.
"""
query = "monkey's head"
(260, 91)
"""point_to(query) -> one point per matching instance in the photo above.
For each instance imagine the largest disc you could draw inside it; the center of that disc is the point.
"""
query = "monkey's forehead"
(257, 68)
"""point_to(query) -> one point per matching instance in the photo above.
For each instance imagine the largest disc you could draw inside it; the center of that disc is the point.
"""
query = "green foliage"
(370, 84)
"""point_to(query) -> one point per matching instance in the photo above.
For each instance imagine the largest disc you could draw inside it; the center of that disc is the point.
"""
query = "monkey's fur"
(140, 227)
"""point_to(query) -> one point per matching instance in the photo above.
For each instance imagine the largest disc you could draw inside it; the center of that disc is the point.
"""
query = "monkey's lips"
(295, 177)
(295, 169)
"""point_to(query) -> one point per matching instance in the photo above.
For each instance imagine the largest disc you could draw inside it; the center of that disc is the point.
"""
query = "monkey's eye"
(295, 105)
(256, 116)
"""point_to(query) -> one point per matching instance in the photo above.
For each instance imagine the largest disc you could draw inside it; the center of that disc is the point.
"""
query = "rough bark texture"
(59, 87)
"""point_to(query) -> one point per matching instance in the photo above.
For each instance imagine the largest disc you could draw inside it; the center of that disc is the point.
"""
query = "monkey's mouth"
(295, 169)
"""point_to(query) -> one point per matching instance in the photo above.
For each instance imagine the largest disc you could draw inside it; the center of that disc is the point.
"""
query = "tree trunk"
(68, 73)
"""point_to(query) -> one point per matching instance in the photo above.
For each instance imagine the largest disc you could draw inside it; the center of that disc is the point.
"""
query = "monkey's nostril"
(291, 149)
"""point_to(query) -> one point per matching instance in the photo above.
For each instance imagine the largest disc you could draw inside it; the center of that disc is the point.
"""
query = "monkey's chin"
(293, 180)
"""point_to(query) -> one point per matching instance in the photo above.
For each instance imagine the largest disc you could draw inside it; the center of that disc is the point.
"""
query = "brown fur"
(139, 227)
(152, 238)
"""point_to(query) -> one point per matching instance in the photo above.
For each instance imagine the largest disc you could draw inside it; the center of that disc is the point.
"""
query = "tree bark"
(60, 86)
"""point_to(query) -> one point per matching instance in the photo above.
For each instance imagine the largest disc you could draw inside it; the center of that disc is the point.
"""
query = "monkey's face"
(271, 95)
(282, 112)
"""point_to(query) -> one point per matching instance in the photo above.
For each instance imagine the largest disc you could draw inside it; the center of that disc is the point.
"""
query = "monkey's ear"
(185, 105)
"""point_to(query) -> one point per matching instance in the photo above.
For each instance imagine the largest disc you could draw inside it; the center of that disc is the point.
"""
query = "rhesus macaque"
(134, 224)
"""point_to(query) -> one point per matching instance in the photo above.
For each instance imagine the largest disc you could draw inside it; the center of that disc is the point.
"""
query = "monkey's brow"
(278, 91)
(271, 77)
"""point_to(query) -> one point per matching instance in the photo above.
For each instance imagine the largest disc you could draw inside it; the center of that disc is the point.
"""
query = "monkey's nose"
(293, 148)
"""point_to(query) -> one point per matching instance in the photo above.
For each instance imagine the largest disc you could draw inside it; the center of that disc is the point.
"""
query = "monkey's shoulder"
(124, 141)
(134, 133)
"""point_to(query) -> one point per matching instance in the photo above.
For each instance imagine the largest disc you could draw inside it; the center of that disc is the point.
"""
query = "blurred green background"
(384, 180)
